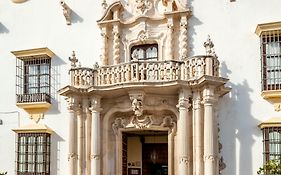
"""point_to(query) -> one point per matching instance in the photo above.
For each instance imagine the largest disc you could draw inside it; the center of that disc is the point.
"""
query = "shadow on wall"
(3, 29)
(57, 63)
(76, 18)
(237, 128)
(193, 21)
(55, 154)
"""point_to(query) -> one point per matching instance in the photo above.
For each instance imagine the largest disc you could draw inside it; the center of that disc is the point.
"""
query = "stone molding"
(148, 121)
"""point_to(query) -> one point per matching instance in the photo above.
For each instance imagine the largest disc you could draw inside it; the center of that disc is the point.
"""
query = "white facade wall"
(231, 25)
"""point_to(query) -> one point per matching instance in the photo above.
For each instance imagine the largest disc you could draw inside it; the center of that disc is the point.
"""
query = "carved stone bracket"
(66, 12)
(137, 102)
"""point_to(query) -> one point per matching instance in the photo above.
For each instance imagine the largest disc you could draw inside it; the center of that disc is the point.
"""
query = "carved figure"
(66, 12)
(137, 107)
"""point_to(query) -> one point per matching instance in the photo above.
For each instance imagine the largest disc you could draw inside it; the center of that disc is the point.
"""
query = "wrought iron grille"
(33, 154)
(272, 143)
(271, 60)
(33, 79)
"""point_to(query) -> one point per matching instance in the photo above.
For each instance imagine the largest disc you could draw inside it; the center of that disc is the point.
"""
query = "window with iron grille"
(271, 143)
(34, 79)
(33, 154)
(271, 60)
(145, 52)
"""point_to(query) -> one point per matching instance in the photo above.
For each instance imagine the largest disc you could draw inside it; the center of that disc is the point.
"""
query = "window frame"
(269, 55)
(269, 143)
(28, 149)
(145, 48)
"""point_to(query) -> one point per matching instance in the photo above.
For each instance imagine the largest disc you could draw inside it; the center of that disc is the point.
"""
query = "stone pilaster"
(87, 137)
(72, 147)
(184, 147)
(95, 137)
(198, 135)
(210, 133)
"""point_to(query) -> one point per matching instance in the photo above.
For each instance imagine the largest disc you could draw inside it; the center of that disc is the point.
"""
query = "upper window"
(144, 52)
(33, 79)
(33, 153)
(271, 60)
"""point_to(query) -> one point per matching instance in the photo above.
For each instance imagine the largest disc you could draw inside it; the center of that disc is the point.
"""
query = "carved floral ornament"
(142, 6)
(147, 121)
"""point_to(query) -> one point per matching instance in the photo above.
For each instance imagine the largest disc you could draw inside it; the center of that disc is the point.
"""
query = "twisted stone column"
(103, 55)
(183, 38)
(184, 147)
(116, 45)
(210, 133)
(72, 147)
(95, 136)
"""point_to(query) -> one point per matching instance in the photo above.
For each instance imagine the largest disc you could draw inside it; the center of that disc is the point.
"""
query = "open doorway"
(145, 152)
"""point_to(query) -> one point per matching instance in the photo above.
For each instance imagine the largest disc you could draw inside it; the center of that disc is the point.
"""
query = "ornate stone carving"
(169, 42)
(73, 60)
(147, 121)
(116, 44)
(142, 6)
(66, 12)
(183, 38)
(118, 123)
(209, 46)
(185, 160)
(103, 55)
(95, 157)
(73, 156)
(95, 104)
(141, 123)
(143, 35)
(137, 102)
(104, 4)
(169, 123)
(211, 158)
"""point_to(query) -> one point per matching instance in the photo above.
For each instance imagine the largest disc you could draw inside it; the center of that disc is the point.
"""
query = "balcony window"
(271, 143)
(33, 153)
(271, 60)
(144, 52)
(33, 75)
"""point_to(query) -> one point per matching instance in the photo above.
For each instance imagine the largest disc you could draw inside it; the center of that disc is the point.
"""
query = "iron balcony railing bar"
(36, 97)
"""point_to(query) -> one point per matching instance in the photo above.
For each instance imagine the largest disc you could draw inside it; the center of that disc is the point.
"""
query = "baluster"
(128, 72)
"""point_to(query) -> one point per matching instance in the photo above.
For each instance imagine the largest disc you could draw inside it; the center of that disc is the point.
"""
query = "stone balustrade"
(145, 71)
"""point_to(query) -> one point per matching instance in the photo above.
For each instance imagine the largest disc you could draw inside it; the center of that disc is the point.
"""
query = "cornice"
(265, 27)
(272, 122)
(34, 128)
(33, 52)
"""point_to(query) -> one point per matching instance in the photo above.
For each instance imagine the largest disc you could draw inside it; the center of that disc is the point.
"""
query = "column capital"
(72, 103)
(95, 104)
(197, 100)
(209, 100)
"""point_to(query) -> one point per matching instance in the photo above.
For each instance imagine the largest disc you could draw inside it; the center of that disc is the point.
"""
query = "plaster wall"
(231, 26)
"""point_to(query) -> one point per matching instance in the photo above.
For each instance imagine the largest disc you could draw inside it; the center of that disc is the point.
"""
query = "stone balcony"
(142, 72)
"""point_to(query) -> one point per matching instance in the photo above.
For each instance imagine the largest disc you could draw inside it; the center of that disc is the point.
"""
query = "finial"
(96, 65)
(79, 65)
(209, 46)
(73, 60)
(104, 4)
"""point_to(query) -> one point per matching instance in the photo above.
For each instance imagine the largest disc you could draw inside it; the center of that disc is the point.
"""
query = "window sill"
(274, 97)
